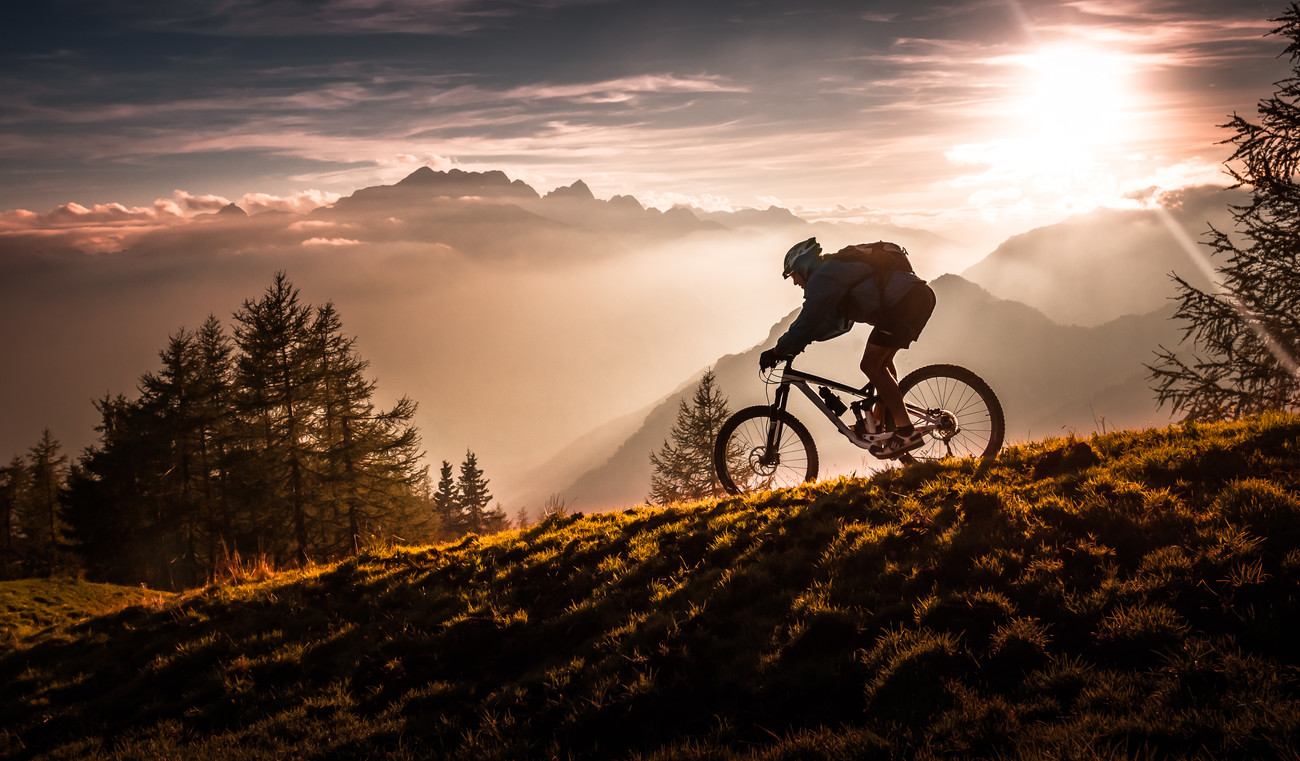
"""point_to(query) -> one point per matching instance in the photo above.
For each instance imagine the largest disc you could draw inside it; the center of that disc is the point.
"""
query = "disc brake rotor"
(758, 463)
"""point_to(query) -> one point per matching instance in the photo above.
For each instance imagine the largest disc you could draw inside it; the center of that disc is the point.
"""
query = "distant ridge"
(1051, 378)
(1096, 266)
(459, 183)
(578, 191)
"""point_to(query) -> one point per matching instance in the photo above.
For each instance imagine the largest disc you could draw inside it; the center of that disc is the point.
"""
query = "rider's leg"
(878, 364)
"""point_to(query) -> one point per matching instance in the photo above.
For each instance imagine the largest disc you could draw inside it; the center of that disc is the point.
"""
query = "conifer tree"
(214, 419)
(170, 398)
(1246, 334)
(15, 490)
(345, 404)
(475, 498)
(265, 444)
(683, 467)
(369, 458)
(276, 379)
(110, 504)
(446, 503)
(43, 526)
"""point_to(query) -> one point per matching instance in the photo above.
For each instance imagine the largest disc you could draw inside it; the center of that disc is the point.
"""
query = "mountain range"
(522, 320)
(1052, 379)
(1091, 268)
(1060, 320)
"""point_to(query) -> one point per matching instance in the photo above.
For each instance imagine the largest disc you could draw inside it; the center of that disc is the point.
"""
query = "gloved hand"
(768, 359)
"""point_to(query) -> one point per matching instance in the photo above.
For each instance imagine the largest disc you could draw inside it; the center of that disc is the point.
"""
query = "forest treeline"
(258, 442)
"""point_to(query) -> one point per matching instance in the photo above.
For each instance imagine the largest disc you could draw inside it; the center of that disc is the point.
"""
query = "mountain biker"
(838, 294)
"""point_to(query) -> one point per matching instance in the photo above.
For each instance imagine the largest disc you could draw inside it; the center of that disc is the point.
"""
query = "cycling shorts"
(903, 322)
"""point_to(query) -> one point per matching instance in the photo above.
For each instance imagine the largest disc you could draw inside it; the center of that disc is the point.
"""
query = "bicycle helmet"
(799, 251)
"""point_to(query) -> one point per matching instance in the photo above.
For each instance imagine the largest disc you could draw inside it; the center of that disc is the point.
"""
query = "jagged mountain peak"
(578, 191)
(458, 182)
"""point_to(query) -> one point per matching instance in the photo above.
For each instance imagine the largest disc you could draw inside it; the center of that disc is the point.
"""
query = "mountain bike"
(766, 447)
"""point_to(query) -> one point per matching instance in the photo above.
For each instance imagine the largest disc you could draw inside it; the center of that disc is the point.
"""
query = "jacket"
(839, 294)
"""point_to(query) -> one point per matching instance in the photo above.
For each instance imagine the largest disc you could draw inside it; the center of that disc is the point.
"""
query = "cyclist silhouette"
(838, 294)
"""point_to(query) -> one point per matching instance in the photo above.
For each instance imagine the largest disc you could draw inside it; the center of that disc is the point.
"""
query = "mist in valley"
(540, 331)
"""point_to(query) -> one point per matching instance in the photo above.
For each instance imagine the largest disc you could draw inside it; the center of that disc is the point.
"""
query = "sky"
(972, 119)
(124, 126)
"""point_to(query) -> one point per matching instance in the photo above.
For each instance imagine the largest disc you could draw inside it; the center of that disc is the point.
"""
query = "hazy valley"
(549, 332)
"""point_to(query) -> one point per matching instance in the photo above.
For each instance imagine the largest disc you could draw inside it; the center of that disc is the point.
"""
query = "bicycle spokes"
(759, 449)
(961, 414)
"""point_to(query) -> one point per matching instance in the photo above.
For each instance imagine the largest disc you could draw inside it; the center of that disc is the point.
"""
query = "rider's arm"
(820, 317)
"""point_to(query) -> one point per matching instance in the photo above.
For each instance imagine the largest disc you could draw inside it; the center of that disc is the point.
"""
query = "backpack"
(883, 256)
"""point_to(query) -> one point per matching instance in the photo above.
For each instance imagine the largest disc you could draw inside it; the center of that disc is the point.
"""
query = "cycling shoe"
(898, 445)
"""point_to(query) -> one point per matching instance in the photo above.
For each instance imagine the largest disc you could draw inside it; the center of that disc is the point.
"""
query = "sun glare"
(1067, 132)
(1076, 98)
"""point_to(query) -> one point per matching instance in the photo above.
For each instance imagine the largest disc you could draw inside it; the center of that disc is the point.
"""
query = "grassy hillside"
(30, 606)
(1127, 596)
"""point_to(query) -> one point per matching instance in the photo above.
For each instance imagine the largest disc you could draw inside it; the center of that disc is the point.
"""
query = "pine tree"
(276, 380)
(446, 504)
(214, 419)
(683, 467)
(170, 398)
(345, 405)
(146, 504)
(110, 516)
(43, 525)
(265, 444)
(1246, 336)
(15, 492)
(474, 496)
(369, 458)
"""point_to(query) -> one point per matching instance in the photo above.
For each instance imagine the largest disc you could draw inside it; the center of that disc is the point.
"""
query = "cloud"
(96, 229)
(624, 95)
(331, 242)
(298, 203)
(862, 215)
(205, 204)
(706, 202)
(110, 227)
(285, 18)
(621, 90)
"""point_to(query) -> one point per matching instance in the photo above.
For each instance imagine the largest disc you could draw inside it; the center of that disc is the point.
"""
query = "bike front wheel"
(759, 449)
(962, 412)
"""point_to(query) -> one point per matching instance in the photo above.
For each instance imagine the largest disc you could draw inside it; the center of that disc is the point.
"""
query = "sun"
(1072, 124)
(1075, 99)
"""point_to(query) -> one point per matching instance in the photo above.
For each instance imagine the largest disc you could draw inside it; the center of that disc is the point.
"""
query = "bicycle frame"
(925, 420)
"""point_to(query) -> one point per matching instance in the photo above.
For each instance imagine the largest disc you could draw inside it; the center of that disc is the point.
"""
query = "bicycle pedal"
(861, 432)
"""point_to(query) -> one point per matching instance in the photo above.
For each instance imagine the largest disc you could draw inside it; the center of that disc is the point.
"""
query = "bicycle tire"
(979, 425)
(741, 445)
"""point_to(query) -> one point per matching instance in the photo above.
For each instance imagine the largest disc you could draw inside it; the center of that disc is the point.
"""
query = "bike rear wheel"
(967, 412)
(744, 460)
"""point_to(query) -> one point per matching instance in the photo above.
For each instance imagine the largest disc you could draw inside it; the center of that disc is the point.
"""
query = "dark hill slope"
(1131, 595)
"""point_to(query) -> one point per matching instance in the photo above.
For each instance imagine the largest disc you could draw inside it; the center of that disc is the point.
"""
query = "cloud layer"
(917, 108)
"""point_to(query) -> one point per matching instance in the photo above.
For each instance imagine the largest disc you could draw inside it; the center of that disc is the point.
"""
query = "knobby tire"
(739, 451)
(974, 407)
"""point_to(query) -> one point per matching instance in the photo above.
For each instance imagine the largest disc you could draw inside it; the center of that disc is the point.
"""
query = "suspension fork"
(776, 426)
